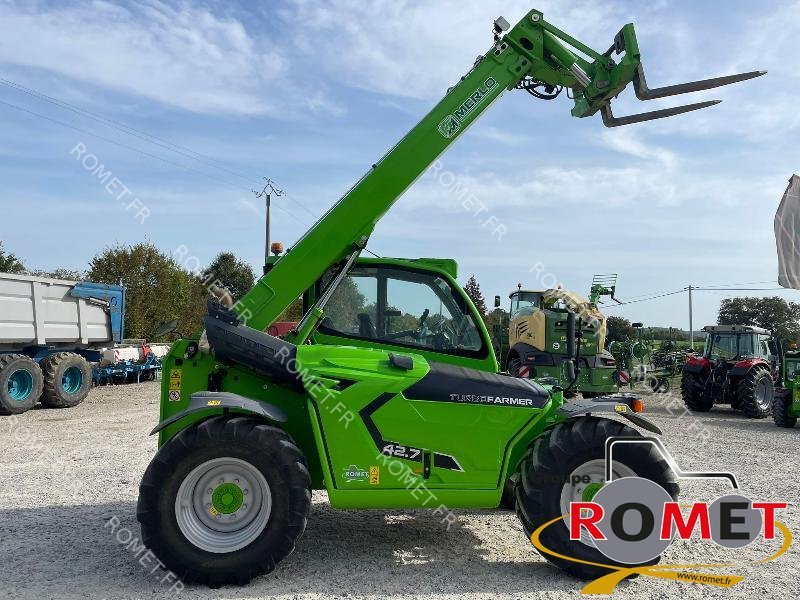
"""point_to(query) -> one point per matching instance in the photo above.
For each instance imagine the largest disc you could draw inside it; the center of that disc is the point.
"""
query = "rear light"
(610, 362)
(637, 405)
(530, 358)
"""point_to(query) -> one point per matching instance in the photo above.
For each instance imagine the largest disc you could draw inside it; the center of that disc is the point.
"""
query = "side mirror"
(569, 366)
(497, 301)
(165, 328)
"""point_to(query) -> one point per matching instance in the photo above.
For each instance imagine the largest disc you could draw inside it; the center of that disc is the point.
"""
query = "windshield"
(727, 346)
(525, 303)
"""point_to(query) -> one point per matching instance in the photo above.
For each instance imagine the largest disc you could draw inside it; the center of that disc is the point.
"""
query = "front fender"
(224, 401)
(621, 405)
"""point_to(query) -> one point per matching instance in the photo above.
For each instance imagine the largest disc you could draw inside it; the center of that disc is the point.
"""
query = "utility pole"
(691, 320)
(268, 190)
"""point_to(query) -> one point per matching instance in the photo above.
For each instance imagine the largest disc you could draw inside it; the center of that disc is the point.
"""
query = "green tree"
(59, 273)
(157, 288)
(234, 274)
(9, 263)
(473, 290)
(618, 329)
(293, 312)
(774, 313)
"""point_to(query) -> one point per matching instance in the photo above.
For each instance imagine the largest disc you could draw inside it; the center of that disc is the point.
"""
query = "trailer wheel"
(755, 393)
(780, 410)
(575, 451)
(225, 500)
(67, 380)
(20, 384)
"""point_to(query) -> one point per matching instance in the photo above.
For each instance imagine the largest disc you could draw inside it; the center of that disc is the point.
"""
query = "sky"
(191, 104)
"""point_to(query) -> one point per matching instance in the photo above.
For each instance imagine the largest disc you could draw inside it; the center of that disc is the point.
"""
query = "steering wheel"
(412, 333)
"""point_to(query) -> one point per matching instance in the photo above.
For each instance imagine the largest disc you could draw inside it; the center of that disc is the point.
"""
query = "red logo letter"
(672, 515)
(769, 516)
(585, 514)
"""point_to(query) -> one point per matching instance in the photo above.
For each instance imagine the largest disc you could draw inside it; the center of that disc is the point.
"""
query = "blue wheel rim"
(72, 380)
(20, 385)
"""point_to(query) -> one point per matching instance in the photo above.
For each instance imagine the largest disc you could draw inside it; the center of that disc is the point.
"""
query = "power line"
(119, 126)
(135, 149)
(664, 295)
(140, 134)
(147, 137)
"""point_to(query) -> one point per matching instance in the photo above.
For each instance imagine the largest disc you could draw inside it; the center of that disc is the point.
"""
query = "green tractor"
(786, 404)
(537, 338)
(387, 393)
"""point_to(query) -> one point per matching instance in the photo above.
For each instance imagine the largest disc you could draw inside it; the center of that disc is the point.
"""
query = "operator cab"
(525, 302)
(734, 342)
(403, 304)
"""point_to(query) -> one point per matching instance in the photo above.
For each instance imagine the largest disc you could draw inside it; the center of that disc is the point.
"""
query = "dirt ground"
(66, 473)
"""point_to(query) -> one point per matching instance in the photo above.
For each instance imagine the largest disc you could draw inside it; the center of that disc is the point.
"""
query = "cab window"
(402, 307)
(525, 303)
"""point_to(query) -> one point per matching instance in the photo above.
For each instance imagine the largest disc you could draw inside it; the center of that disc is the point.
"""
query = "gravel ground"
(65, 473)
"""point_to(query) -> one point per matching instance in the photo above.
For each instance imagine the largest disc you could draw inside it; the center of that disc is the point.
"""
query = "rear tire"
(692, 393)
(67, 380)
(514, 364)
(755, 393)
(220, 546)
(780, 410)
(20, 384)
(545, 473)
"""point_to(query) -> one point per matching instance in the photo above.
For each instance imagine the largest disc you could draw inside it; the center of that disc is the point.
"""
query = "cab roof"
(736, 329)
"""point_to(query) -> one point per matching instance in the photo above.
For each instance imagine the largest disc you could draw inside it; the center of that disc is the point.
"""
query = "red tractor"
(739, 366)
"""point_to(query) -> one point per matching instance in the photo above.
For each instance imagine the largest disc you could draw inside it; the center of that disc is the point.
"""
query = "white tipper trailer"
(50, 330)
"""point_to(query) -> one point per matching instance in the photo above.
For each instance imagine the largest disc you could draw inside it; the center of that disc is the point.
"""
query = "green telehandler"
(387, 393)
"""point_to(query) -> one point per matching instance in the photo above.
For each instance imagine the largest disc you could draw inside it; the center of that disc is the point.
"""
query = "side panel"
(389, 441)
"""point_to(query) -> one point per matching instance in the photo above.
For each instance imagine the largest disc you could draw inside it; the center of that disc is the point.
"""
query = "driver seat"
(366, 328)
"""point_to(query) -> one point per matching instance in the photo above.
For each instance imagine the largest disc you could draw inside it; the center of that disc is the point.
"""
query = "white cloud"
(184, 56)
(415, 49)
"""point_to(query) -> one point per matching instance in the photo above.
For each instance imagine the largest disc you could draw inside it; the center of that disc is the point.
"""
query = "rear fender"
(743, 367)
(221, 403)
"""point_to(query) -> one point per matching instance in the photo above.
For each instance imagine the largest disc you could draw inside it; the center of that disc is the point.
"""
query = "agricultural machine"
(786, 404)
(50, 331)
(740, 366)
(639, 362)
(387, 393)
(537, 338)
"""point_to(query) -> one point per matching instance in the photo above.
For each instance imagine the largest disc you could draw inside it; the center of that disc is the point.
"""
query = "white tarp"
(787, 235)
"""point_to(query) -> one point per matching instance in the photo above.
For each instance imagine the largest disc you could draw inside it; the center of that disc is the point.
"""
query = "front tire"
(780, 410)
(755, 393)
(225, 500)
(20, 384)
(692, 393)
(578, 446)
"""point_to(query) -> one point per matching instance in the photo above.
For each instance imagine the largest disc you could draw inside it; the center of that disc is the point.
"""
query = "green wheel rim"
(227, 498)
(72, 380)
(20, 385)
